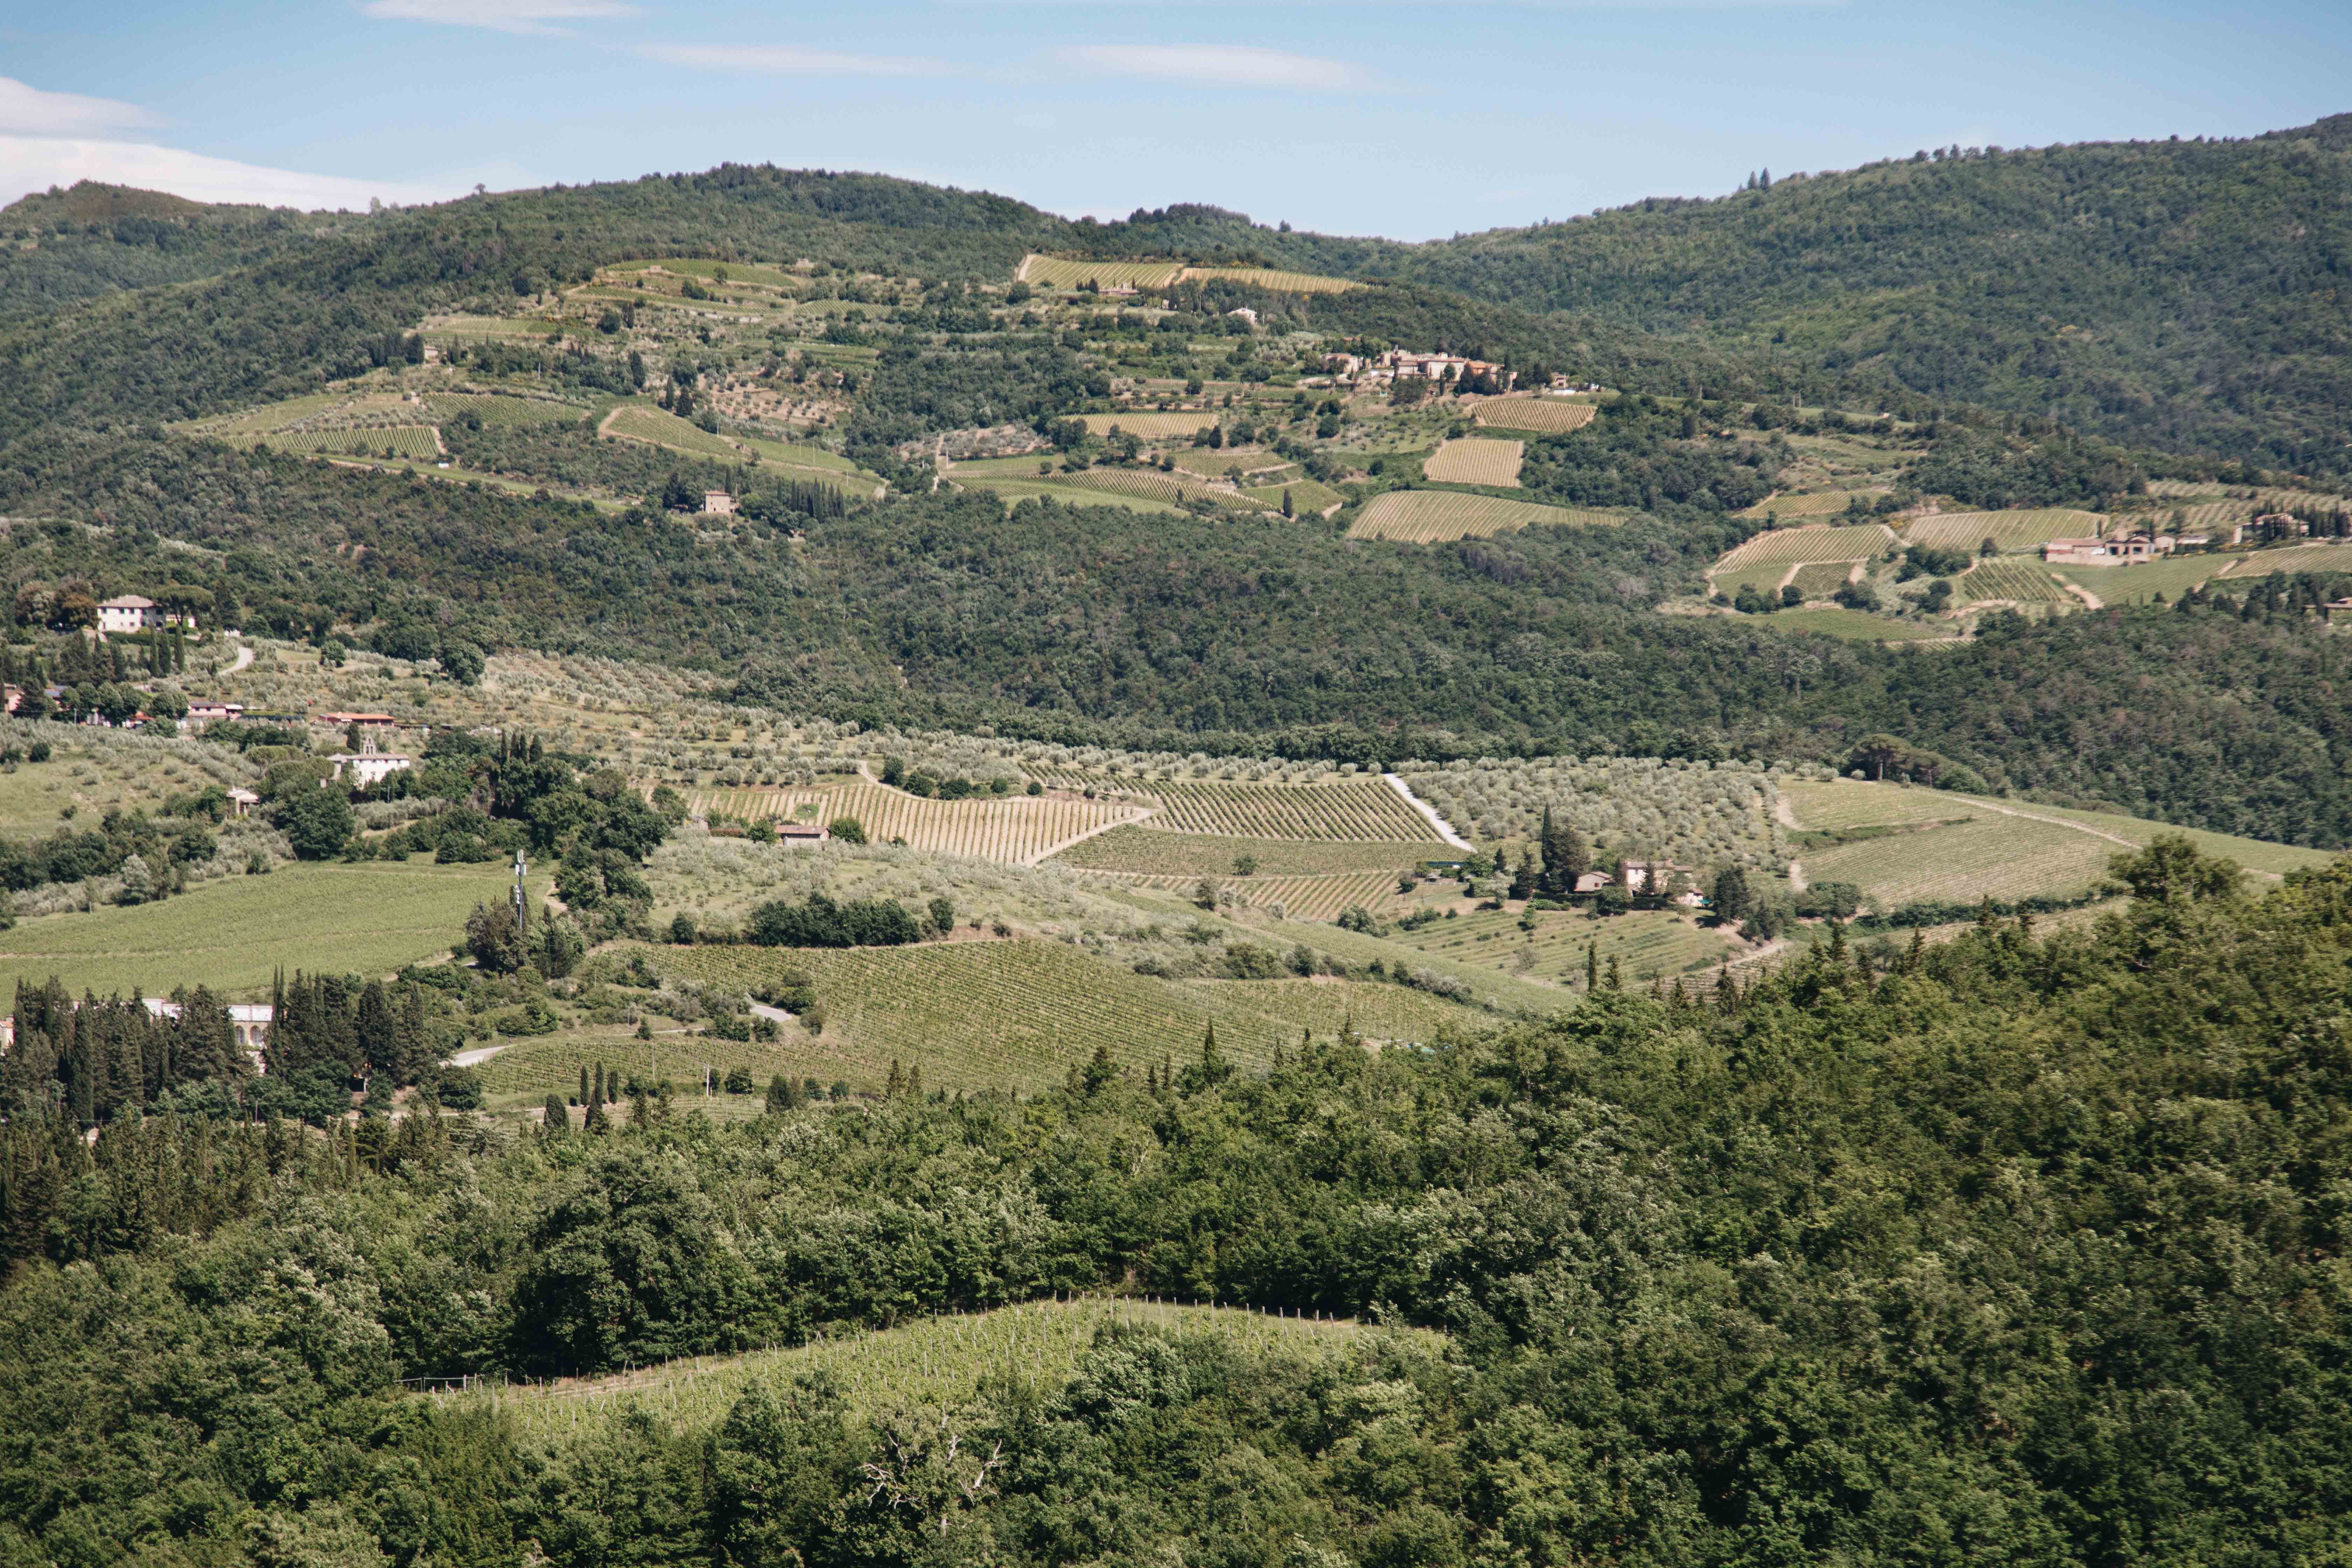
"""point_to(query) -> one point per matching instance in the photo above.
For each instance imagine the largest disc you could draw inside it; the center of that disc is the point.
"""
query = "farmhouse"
(800, 834)
(130, 614)
(242, 801)
(377, 723)
(2121, 552)
(718, 502)
(203, 710)
(248, 1024)
(368, 767)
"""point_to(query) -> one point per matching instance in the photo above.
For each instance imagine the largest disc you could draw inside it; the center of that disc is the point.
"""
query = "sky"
(1413, 120)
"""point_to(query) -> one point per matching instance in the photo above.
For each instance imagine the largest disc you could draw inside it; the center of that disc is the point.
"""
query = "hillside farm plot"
(1306, 496)
(2291, 558)
(797, 455)
(1821, 503)
(1154, 852)
(1439, 517)
(1836, 804)
(1152, 485)
(932, 1362)
(1066, 273)
(659, 428)
(1323, 898)
(1324, 1007)
(499, 410)
(1275, 278)
(985, 1014)
(2141, 582)
(2017, 582)
(421, 441)
(1545, 416)
(1820, 579)
(233, 934)
(1766, 559)
(1014, 491)
(1016, 830)
(2009, 531)
(1992, 856)
(1149, 425)
(1648, 944)
(1359, 810)
(2262, 857)
(446, 329)
(1853, 625)
(1474, 461)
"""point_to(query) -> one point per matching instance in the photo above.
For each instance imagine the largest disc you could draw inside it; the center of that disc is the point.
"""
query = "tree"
(461, 661)
(848, 829)
(781, 1095)
(318, 822)
(1731, 897)
(942, 916)
(554, 1116)
(495, 938)
(1564, 858)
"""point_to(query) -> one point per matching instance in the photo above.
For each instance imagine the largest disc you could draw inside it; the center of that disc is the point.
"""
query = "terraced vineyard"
(1270, 277)
(1546, 416)
(1765, 559)
(1065, 272)
(659, 428)
(934, 1361)
(1150, 852)
(1016, 830)
(1647, 944)
(398, 440)
(2026, 584)
(1438, 517)
(1363, 810)
(2010, 530)
(1150, 426)
(1474, 461)
(985, 1014)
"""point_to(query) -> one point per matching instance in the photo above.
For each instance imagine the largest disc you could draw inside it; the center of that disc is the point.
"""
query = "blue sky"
(1413, 121)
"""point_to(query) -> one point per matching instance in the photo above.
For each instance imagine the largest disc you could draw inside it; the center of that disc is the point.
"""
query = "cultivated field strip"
(2018, 530)
(1014, 829)
(635, 422)
(2022, 581)
(1439, 517)
(1297, 897)
(940, 1360)
(1815, 542)
(1648, 944)
(1474, 461)
(1272, 278)
(1152, 485)
(1545, 416)
(1822, 503)
(1993, 856)
(1062, 272)
(1364, 810)
(399, 440)
(1150, 852)
(2291, 558)
(1150, 425)
(497, 409)
(1820, 579)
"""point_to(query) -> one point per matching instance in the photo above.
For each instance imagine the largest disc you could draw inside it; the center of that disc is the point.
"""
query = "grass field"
(2023, 581)
(441, 329)
(1307, 497)
(1063, 273)
(421, 441)
(1153, 852)
(1270, 277)
(1546, 416)
(1647, 943)
(1151, 484)
(794, 454)
(1853, 625)
(2011, 530)
(1474, 461)
(232, 934)
(1437, 517)
(1992, 856)
(1820, 579)
(2127, 585)
(1014, 1015)
(1361, 810)
(659, 428)
(1821, 503)
(1017, 828)
(1150, 426)
(937, 1361)
(1856, 803)
(1010, 491)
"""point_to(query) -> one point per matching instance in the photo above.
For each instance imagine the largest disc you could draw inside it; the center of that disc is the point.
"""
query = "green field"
(1992, 855)
(1853, 625)
(1151, 484)
(1820, 579)
(932, 1361)
(1438, 517)
(1012, 491)
(1649, 943)
(1820, 504)
(659, 428)
(797, 455)
(231, 935)
(1299, 898)
(2140, 584)
(2009, 531)
(1155, 853)
(1306, 496)
(2331, 557)
(498, 410)
(997, 1015)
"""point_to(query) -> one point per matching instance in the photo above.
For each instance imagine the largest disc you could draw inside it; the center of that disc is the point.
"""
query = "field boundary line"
(1143, 814)
(1445, 831)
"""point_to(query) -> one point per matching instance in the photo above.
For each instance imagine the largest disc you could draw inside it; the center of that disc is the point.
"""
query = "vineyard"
(1647, 944)
(2022, 582)
(1061, 272)
(932, 1361)
(1472, 461)
(1309, 498)
(659, 428)
(1016, 830)
(1008, 1016)
(1147, 426)
(1993, 856)
(1324, 1007)
(1821, 503)
(1304, 898)
(1014, 491)
(1149, 852)
(1364, 810)
(2009, 531)
(1152, 485)
(1269, 278)
(1546, 416)
(501, 411)
(1438, 517)
(397, 440)
(2292, 558)
(1814, 542)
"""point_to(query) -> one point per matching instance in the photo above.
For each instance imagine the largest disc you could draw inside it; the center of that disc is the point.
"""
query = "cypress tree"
(780, 1092)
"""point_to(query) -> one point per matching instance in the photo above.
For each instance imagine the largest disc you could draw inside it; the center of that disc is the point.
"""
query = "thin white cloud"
(28, 110)
(499, 16)
(787, 60)
(30, 164)
(1219, 65)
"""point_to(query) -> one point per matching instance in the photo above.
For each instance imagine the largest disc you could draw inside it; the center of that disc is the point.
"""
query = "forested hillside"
(2021, 1250)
